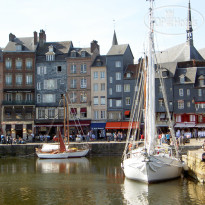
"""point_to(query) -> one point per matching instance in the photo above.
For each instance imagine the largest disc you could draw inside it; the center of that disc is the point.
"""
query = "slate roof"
(169, 67)
(133, 69)
(117, 49)
(100, 61)
(26, 42)
(189, 73)
(79, 51)
(179, 53)
(202, 52)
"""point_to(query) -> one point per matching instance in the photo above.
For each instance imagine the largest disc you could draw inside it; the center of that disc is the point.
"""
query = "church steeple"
(189, 26)
(114, 41)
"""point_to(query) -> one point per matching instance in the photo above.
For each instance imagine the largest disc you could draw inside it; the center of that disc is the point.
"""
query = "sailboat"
(151, 162)
(61, 151)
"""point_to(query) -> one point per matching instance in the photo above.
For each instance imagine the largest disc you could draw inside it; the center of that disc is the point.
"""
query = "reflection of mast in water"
(71, 165)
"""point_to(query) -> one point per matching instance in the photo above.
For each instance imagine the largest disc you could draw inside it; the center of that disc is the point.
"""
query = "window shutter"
(45, 71)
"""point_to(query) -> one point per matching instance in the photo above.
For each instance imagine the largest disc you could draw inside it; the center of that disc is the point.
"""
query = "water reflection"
(75, 165)
(180, 191)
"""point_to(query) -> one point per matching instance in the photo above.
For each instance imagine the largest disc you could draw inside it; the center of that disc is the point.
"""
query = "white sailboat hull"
(79, 153)
(156, 168)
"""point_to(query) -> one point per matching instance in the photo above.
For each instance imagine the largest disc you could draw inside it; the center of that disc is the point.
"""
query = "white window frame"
(95, 87)
(118, 88)
(118, 64)
(127, 101)
(102, 86)
(188, 92)
(181, 92)
(102, 74)
(110, 91)
(83, 83)
(118, 76)
(102, 100)
(118, 103)
(102, 114)
(110, 103)
(127, 88)
(38, 85)
(180, 104)
(96, 100)
(199, 92)
(111, 79)
(95, 75)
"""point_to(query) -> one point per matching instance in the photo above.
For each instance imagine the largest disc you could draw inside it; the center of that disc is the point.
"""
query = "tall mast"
(150, 97)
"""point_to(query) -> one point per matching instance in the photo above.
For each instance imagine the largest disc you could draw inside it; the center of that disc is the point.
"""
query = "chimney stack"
(42, 37)
(94, 45)
(35, 35)
(11, 37)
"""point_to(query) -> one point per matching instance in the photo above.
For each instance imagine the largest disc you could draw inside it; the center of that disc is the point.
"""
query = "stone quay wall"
(195, 164)
(96, 149)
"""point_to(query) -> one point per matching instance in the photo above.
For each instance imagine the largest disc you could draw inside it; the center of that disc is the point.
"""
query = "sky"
(82, 21)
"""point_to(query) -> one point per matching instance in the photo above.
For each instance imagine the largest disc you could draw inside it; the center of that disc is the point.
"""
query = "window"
(59, 69)
(128, 75)
(119, 116)
(95, 87)
(188, 92)
(38, 98)
(83, 97)
(51, 113)
(200, 118)
(102, 100)
(96, 114)
(127, 88)
(38, 86)
(199, 92)
(102, 85)
(83, 83)
(83, 54)
(73, 83)
(110, 115)
(18, 47)
(192, 118)
(201, 82)
(29, 79)
(102, 74)
(49, 98)
(28, 64)
(95, 101)
(41, 70)
(19, 79)
(8, 63)
(83, 68)
(18, 97)
(83, 112)
(73, 68)
(118, 76)
(18, 114)
(178, 118)
(180, 104)
(188, 104)
(182, 78)
(127, 101)
(73, 97)
(161, 102)
(73, 54)
(102, 114)
(118, 88)
(19, 64)
(41, 114)
(8, 79)
(118, 103)
(28, 97)
(50, 57)
(110, 91)
(8, 97)
(170, 103)
(95, 75)
(111, 81)
(110, 102)
(50, 84)
(117, 64)
(181, 92)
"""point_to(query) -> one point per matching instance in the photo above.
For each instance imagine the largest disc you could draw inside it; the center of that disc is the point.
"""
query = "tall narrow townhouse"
(79, 63)
(99, 97)
(117, 60)
(18, 106)
(51, 85)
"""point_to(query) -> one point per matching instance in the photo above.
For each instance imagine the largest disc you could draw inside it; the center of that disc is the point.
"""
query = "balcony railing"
(18, 102)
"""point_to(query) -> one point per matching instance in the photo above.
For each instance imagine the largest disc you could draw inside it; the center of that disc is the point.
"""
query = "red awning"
(79, 123)
(126, 125)
(121, 125)
(73, 111)
(83, 109)
(113, 125)
(127, 112)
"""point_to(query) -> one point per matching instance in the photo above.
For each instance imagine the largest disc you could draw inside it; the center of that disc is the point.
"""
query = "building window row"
(18, 64)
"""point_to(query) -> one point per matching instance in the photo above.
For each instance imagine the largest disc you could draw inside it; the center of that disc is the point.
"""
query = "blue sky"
(83, 21)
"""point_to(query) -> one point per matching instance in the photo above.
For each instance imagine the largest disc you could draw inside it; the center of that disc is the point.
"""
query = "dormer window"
(201, 81)
(182, 78)
(83, 54)
(18, 47)
(73, 54)
(98, 63)
(50, 55)
(128, 75)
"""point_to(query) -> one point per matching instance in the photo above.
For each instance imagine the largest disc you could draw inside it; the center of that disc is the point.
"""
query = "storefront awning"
(182, 125)
(99, 126)
(127, 112)
(121, 125)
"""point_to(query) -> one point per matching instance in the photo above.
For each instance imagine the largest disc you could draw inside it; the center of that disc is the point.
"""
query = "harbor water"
(86, 181)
